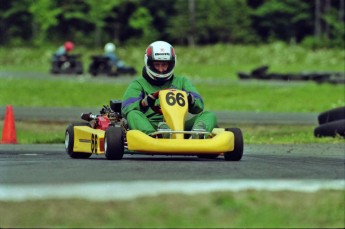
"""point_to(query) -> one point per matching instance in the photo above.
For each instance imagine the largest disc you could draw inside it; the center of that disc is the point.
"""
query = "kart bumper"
(222, 142)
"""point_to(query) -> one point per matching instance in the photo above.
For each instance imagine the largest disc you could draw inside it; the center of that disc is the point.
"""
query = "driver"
(63, 51)
(158, 74)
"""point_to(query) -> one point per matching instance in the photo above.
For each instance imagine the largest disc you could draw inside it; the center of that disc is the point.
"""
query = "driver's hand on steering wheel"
(190, 98)
(149, 100)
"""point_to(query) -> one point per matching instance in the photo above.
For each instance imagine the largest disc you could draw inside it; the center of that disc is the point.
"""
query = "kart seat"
(116, 105)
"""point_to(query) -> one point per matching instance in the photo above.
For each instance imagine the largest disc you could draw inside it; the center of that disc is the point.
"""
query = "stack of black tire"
(261, 73)
(331, 123)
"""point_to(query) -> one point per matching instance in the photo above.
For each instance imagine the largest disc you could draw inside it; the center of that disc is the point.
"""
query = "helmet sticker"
(149, 52)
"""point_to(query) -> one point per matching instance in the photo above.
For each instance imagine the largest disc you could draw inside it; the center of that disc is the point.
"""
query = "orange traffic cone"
(9, 130)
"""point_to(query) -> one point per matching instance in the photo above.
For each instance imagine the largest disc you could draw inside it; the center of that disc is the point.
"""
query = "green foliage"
(14, 13)
(337, 29)
(142, 20)
(212, 22)
(94, 22)
(178, 29)
(45, 15)
(98, 11)
(282, 19)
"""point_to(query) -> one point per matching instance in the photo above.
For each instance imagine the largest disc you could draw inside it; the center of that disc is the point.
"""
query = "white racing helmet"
(109, 47)
(163, 52)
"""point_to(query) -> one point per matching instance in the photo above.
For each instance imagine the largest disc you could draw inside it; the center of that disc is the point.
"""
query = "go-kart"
(108, 133)
(67, 64)
(101, 65)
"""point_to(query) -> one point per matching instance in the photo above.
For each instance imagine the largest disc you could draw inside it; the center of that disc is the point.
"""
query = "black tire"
(114, 143)
(93, 69)
(260, 72)
(237, 153)
(208, 156)
(69, 141)
(331, 115)
(55, 68)
(331, 129)
(243, 75)
(79, 68)
(320, 77)
(132, 71)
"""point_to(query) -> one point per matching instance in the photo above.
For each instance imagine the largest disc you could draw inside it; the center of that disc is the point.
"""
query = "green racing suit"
(146, 120)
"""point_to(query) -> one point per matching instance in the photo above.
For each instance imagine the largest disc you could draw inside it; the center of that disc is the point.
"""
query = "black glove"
(149, 100)
(191, 99)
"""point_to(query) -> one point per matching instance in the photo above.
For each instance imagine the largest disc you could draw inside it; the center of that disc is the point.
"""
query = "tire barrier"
(331, 123)
(331, 115)
(261, 73)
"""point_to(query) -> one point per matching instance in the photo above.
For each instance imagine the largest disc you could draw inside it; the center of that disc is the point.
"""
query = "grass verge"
(218, 95)
(245, 209)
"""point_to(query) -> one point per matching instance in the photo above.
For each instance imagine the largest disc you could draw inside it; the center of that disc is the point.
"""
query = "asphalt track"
(41, 171)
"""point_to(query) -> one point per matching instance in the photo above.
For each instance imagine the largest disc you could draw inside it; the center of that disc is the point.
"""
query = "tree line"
(315, 23)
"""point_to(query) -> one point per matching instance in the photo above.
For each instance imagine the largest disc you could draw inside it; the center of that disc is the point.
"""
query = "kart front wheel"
(113, 143)
(69, 141)
(237, 153)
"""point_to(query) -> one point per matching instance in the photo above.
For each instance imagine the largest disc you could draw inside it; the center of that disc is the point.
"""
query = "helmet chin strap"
(163, 79)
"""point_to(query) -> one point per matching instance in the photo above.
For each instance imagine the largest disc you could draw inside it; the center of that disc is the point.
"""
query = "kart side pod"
(88, 140)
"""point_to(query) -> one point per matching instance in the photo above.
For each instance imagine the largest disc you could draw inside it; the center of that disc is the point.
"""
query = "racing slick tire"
(69, 141)
(331, 115)
(237, 153)
(331, 129)
(113, 143)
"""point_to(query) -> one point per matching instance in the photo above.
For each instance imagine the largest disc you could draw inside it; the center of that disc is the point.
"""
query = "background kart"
(101, 65)
(107, 133)
(67, 64)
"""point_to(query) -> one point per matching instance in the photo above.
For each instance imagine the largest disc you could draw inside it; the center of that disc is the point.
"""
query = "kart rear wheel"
(55, 68)
(113, 143)
(69, 141)
(237, 153)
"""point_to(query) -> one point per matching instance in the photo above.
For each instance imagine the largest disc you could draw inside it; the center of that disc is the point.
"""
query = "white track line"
(127, 190)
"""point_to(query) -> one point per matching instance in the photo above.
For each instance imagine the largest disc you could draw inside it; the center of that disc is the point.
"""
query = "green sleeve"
(132, 97)
(198, 105)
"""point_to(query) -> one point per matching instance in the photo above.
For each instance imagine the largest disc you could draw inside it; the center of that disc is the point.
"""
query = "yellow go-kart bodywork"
(175, 109)
(88, 140)
(220, 143)
(113, 141)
